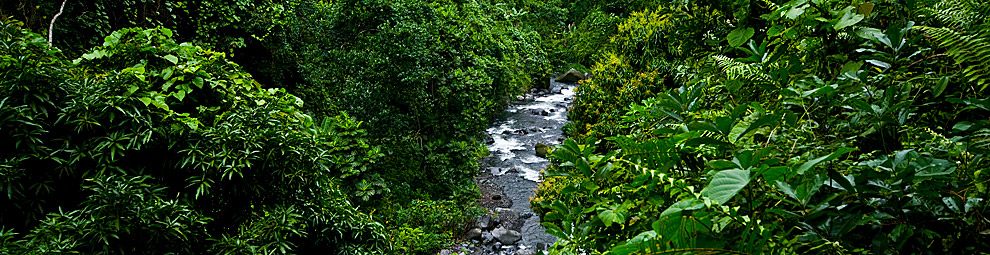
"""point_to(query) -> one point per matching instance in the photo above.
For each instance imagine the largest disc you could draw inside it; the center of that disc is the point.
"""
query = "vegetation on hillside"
(152, 139)
(777, 127)
(355, 127)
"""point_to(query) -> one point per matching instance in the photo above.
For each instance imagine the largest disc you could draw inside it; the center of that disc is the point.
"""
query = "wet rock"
(526, 215)
(446, 252)
(522, 132)
(507, 132)
(520, 98)
(474, 233)
(567, 99)
(541, 150)
(487, 237)
(511, 213)
(485, 220)
(534, 111)
(530, 98)
(506, 236)
(544, 113)
(512, 171)
(525, 252)
(489, 140)
(553, 110)
(556, 90)
(571, 76)
(535, 130)
(541, 246)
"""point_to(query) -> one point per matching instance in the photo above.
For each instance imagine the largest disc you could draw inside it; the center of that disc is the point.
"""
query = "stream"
(510, 174)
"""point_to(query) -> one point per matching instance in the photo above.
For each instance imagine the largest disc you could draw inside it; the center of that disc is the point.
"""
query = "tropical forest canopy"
(354, 127)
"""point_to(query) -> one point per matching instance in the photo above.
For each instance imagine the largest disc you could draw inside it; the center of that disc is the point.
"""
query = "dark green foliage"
(404, 91)
(424, 77)
(224, 25)
(144, 144)
(799, 127)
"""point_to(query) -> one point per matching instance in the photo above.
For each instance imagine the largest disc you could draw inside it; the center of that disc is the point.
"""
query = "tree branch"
(52, 25)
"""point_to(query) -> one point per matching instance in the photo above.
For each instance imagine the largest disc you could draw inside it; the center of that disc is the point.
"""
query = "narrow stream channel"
(511, 171)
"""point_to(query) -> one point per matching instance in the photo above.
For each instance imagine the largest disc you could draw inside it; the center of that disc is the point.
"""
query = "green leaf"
(849, 18)
(796, 11)
(740, 35)
(93, 55)
(725, 184)
(611, 216)
(804, 190)
(198, 81)
(879, 63)
(774, 173)
(851, 67)
(683, 205)
(181, 94)
(171, 58)
(940, 86)
(865, 8)
(808, 165)
(763, 121)
(130, 91)
(721, 164)
(962, 126)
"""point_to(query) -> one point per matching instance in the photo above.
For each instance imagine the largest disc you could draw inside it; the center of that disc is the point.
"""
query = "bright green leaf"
(171, 58)
(740, 35)
(725, 184)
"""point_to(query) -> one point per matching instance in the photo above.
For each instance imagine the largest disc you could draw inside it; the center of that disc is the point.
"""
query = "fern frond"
(958, 13)
(735, 70)
(969, 51)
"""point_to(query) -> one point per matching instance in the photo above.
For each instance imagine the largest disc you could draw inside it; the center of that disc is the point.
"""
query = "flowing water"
(512, 169)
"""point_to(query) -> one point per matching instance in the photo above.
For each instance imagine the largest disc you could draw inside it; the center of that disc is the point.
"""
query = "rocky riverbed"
(510, 174)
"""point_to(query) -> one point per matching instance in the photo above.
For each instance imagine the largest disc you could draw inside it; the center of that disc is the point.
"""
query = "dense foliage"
(397, 96)
(779, 127)
(144, 144)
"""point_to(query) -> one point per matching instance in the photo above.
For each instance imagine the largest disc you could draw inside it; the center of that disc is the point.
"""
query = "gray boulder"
(484, 221)
(506, 236)
(487, 237)
(525, 252)
(571, 76)
(474, 233)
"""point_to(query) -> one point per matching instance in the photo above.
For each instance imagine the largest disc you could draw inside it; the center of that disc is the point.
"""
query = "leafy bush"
(144, 144)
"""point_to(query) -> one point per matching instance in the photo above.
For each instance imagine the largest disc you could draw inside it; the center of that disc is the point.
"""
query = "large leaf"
(808, 165)
(689, 204)
(612, 216)
(740, 35)
(804, 189)
(849, 18)
(726, 184)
